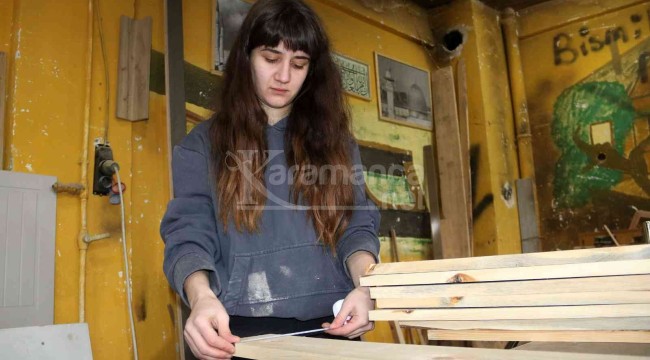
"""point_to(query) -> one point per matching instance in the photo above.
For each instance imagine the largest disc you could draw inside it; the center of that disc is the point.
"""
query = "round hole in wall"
(452, 40)
(602, 157)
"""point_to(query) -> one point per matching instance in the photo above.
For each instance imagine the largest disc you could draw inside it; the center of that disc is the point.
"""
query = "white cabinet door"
(27, 229)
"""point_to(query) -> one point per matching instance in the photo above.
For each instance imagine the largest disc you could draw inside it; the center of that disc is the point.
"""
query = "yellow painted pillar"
(491, 124)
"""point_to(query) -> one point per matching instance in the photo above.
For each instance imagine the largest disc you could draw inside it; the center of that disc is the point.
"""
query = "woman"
(270, 224)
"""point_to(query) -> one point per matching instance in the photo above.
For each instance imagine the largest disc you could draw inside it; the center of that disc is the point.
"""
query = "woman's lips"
(279, 91)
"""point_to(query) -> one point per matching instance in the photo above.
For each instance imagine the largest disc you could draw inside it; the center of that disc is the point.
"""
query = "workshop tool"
(336, 308)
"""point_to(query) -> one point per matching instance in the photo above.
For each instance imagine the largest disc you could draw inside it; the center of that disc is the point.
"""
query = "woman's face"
(278, 74)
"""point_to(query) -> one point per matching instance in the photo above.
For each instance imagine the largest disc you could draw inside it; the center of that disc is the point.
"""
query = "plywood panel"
(54, 342)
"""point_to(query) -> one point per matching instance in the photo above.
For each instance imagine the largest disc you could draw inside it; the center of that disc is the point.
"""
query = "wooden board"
(625, 267)
(521, 313)
(588, 348)
(456, 242)
(583, 298)
(632, 252)
(133, 76)
(463, 129)
(555, 286)
(633, 323)
(433, 197)
(564, 336)
(3, 95)
(294, 348)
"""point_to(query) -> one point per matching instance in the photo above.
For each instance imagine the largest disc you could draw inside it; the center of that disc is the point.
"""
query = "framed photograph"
(227, 17)
(404, 93)
(355, 76)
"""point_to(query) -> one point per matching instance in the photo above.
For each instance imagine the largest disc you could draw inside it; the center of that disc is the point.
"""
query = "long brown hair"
(318, 132)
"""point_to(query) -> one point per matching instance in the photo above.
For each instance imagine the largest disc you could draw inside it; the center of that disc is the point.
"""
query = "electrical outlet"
(102, 180)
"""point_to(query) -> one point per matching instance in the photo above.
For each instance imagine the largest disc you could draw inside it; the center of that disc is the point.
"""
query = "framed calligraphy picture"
(355, 76)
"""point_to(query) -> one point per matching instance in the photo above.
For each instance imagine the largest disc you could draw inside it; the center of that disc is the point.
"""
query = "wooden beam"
(521, 313)
(433, 197)
(463, 129)
(176, 122)
(555, 286)
(565, 336)
(623, 323)
(133, 69)
(455, 232)
(625, 267)
(3, 95)
(632, 252)
(583, 298)
(291, 347)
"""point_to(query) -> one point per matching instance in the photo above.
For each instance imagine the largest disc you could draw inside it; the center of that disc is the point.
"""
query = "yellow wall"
(47, 44)
(567, 214)
(48, 50)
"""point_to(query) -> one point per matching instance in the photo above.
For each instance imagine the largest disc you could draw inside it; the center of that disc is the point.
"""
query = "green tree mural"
(577, 175)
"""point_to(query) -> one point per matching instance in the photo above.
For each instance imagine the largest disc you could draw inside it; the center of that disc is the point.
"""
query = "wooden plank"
(456, 242)
(564, 336)
(588, 348)
(133, 76)
(295, 348)
(176, 123)
(625, 267)
(549, 312)
(463, 129)
(3, 95)
(633, 252)
(433, 196)
(622, 323)
(584, 298)
(555, 286)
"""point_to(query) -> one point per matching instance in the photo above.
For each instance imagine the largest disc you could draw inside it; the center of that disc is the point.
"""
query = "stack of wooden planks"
(591, 295)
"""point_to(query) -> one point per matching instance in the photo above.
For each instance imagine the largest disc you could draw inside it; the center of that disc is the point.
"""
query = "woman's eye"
(271, 60)
(299, 66)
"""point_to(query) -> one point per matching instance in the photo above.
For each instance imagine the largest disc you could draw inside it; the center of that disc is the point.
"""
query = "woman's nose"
(284, 72)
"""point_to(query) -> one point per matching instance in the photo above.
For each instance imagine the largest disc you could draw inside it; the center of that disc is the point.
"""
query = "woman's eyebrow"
(278, 52)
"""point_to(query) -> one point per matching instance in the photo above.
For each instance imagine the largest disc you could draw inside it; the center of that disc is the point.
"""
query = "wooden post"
(3, 81)
(454, 230)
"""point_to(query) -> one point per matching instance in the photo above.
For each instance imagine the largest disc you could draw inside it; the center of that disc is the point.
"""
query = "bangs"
(296, 31)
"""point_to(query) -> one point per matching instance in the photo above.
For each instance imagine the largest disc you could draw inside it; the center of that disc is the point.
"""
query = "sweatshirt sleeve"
(361, 232)
(188, 227)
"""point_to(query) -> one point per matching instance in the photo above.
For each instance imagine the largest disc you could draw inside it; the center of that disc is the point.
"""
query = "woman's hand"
(207, 330)
(356, 305)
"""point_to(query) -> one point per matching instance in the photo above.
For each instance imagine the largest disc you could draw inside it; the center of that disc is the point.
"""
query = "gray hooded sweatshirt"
(280, 271)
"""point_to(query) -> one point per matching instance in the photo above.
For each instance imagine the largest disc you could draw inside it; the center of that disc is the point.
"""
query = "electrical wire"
(98, 17)
(126, 265)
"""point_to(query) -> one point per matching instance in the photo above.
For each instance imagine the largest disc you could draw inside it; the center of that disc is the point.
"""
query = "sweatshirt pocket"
(282, 274)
